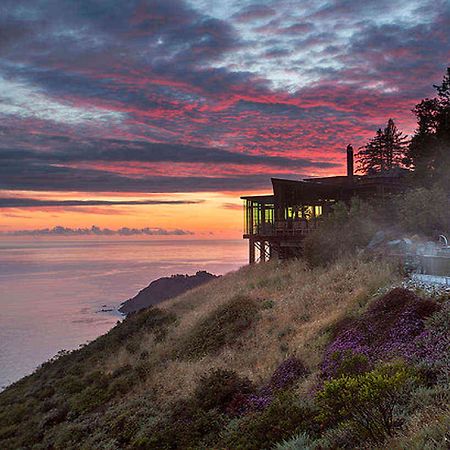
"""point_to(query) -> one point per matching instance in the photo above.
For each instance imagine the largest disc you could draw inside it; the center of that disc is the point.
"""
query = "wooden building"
(276, 224)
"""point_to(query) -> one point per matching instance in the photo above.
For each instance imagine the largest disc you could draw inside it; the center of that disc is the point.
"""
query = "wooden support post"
(263, 251)
(251, 253)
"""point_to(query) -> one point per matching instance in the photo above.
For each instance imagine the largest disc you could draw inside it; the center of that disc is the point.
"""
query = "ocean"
(52, 292)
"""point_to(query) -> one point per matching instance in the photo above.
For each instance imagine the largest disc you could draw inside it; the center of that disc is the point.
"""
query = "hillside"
(271, 356)
(163, 289)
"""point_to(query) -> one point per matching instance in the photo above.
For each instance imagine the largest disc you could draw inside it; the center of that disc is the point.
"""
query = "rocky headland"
(163, 289)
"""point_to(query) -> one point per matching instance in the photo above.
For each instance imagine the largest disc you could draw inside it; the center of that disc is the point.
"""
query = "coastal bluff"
(163, 289)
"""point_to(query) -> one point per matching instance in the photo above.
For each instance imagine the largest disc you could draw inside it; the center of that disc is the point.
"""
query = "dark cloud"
(93, 89)
(277, 52)
(17, 202)
(97, 231)
(114, 150)
(298, 28)
(26, 169)
(51, 178)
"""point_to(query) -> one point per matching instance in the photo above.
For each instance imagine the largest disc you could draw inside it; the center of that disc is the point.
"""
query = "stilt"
(251, 253)
(262, 251)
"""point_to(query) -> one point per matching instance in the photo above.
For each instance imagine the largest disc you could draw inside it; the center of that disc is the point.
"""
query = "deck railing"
(286, 228)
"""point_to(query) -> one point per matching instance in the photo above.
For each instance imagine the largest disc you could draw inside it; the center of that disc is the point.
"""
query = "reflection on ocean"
(52, 292)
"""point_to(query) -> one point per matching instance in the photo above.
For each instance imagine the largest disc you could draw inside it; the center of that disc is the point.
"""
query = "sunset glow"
(161, 114)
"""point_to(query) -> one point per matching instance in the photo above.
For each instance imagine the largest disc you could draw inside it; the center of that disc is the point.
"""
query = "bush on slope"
(94, 395)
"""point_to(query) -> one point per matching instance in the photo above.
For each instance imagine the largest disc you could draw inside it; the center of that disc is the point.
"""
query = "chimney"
(349, 161)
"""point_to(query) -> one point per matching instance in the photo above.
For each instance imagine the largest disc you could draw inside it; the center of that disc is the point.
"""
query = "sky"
(152, 117)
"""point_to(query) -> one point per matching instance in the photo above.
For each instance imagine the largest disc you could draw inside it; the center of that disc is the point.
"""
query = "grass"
(323, 295)
(225, 326)
(112, 392)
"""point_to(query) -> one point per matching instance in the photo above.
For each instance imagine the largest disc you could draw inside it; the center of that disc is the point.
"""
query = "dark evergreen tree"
(386, 150)
(429, 151)
(394, 146)
(370, 156)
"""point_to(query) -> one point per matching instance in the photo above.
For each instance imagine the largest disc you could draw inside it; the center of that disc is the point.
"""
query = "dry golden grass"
(304, 305)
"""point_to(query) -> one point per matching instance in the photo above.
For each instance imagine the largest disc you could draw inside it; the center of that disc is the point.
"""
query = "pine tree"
(384, 151)
(394, 146)
(370, 156)
(429, 150)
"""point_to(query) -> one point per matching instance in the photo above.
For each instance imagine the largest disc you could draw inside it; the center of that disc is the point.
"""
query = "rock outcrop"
(163, 289)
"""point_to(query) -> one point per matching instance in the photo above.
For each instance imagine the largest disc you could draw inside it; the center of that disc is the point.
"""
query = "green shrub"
(431, 346)
(425, 211)
(71, 385)
(432, 436)
(122, 423)
(429, 397)
(349, 363)
(68, 435)
(96, 393)
(151, 320)
(186, 427)
(301, 441)
(370, 400)
(54, 416)
(224, 326)
(50, 405)
(343, 436)
(216, 389)
(89, 399)
(285, 416)
(344, 231)
(111, 428)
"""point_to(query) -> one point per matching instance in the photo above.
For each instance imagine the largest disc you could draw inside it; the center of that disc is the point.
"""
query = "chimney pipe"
(349, 161)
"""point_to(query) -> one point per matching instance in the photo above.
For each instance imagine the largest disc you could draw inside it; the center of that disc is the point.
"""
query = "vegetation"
(224, 326)
(330, 364)
(283, 417)
(355, 225)
(384, 152)
(429, 150)
(369, 401)
(218, 388)
(424, 211)
(120, 389)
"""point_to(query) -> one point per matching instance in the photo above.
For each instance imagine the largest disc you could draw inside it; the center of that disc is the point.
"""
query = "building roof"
(259, 198)
(336, 187)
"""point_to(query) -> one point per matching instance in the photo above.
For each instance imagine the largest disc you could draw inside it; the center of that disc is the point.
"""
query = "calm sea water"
(51, 292)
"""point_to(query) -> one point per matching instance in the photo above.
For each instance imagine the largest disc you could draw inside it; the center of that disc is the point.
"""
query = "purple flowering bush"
(431, 346)
(285, 375)
(387, 330)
